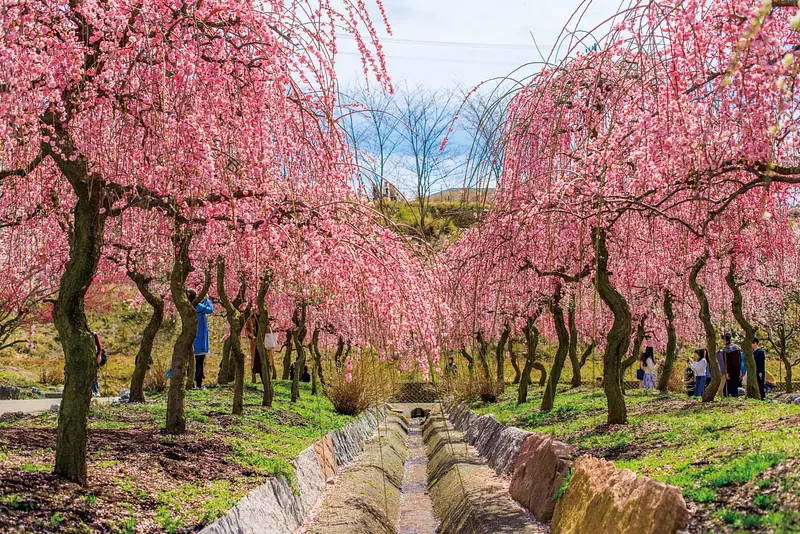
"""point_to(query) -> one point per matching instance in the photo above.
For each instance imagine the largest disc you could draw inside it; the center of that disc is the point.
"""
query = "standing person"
(700, 368)
(452, 368)
(201, 344)
(100, 361)
(733, 366)
(721, 362)
(648, 364)
(761, 367)
(306, 376)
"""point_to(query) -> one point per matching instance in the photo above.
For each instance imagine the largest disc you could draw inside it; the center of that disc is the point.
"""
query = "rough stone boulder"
(9, 392)
(603, 500)
(541, 468)
(326, 457)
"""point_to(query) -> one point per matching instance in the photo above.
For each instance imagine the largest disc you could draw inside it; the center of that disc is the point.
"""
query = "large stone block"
(603, 500)
(326, 458)
(540, 470)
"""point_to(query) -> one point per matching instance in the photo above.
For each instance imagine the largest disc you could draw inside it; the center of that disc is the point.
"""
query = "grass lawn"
(736, 459)
(142, 480)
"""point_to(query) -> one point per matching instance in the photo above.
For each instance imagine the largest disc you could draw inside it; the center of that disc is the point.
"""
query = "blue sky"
(443, 43)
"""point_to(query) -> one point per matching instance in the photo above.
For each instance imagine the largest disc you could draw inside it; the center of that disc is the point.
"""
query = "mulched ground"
(128, 468)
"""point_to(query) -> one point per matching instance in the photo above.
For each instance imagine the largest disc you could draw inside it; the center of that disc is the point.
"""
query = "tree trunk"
(190, 369)
(749, 332)
(539, 366)
(705, 319)
(287, 355)
(513, 357)
(236, 321)
(561, 353)
(337, 357)
(787, 365)
(80, 354)
(499, 355)
(145, 352)
(263, 327)
(470, 361)
(483, 349)
(573, 344)
(184, 345)
(633, 357)
(299, 320)
(618, 337)
(225, 368)
(317, 355)
(669, 362)
(532, 341)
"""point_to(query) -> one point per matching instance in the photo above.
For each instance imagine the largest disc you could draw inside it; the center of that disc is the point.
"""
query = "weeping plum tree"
(104, 109)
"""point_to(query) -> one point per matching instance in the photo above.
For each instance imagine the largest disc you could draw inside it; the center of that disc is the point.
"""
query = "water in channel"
(416, 506)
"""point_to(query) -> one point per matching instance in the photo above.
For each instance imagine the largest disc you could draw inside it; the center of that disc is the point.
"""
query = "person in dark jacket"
(761, 367)
(306, 376)
(733, 366)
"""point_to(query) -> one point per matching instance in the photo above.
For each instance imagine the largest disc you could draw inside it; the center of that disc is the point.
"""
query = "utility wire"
(440, 59)
(450, 44)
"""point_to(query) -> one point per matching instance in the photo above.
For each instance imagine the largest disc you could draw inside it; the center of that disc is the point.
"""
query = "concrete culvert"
(417, 412)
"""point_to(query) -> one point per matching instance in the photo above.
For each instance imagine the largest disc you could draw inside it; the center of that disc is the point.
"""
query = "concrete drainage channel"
(420, 477)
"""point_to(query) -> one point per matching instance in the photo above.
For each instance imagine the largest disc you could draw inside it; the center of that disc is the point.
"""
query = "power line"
(450, 44)
(391, 57)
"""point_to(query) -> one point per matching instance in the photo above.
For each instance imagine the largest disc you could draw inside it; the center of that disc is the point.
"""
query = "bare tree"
(371, 122)
(427, 118)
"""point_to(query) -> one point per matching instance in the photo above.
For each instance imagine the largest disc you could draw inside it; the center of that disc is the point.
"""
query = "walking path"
(416, 506)
(36, 405)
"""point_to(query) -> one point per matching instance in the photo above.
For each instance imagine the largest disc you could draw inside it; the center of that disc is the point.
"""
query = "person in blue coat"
(201, 343)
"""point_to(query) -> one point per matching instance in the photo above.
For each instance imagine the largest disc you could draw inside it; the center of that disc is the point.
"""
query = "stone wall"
(599, 498)
(366, 496)
(468, 495)
(277, 508)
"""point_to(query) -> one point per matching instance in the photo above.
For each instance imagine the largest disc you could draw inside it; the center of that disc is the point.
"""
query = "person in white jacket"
(648, 365)
(700, 370)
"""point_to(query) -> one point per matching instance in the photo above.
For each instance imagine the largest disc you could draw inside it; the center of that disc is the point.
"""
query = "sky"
(439, 44)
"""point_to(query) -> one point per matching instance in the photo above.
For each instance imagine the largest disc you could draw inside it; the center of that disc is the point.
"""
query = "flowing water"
(416, 506)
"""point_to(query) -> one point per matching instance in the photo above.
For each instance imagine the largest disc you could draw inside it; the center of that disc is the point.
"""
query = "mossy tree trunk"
(318, 373)
(749, 332)
(512, 355)
(499, 355)
(672, 343)
(561, 352)
(236, 320)
(708, 327)
(532, 341)
(85, 244)
(145, 352)
(573, 344)
(263, 327)
(184, 344)
(483, 350)
(619, 335)
(226, 373)
(299, 319)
